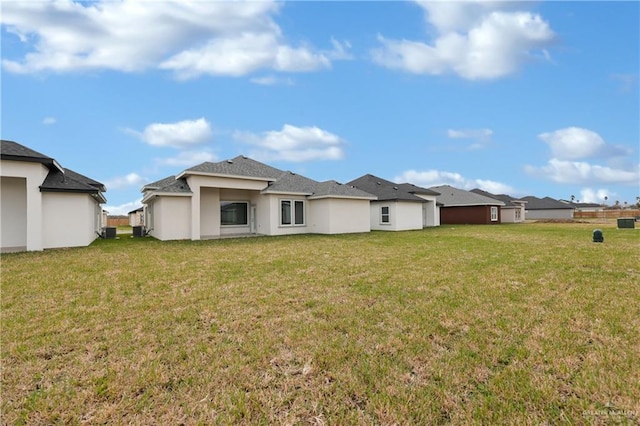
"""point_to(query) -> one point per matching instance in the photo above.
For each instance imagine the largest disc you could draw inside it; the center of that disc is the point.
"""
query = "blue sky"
(523, 98)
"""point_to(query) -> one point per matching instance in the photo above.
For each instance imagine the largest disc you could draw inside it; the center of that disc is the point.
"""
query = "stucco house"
(44, 205)
(513, 210)
(547, 208)
(136, 217)
(465, 207)
(242, 196)
(399, 206)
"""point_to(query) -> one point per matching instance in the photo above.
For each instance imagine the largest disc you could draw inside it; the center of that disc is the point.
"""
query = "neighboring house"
(243, 196)
(513, 210)
(44, 205)
(547, 208)
(465, 207)
(398, 207)
(136, 217)
(584, 207)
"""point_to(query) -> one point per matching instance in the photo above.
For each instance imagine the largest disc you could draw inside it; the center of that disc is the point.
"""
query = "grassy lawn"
(516, 324)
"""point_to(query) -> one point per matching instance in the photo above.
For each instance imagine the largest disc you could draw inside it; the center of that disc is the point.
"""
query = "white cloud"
(177, 135)
(574, 143)
(480, 134)
(272, 80)
(187, 158)
(579, 172)
(588, 195)
(189, 38)
(123, 209)
(132, 179)
(476, 40)
(47, 121)
(295, 144)
(437, 177)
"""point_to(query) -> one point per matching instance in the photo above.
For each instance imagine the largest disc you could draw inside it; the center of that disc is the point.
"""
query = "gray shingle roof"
(159, 183)
(386, 190)
(279, 182)
(546, 203)
(70, 181)
(14, 149)
(506, 199)
(452, 197)
(331, 188)
(238, 166)
(58, 179)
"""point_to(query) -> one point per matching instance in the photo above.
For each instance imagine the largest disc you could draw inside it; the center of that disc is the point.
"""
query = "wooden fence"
(117, 220)
(609, 214)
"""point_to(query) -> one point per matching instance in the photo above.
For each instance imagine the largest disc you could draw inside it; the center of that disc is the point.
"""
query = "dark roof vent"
(395, 187)
(378, 183)
(230, 161)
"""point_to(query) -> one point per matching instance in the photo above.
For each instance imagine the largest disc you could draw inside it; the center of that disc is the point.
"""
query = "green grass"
(515, 324)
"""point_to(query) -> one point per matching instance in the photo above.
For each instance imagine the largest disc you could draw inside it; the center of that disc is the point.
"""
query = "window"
(289, 218)
(384, 214)
(494, 214)
(234, 213)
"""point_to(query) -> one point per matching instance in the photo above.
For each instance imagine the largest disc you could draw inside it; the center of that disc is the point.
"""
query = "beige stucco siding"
(13, 213)
(34, 174)
(69, 220)
(402, 216)
(273, 226)
(339, 215)
(172, 218)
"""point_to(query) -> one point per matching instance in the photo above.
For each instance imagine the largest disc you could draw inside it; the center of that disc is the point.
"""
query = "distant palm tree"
(573, 197)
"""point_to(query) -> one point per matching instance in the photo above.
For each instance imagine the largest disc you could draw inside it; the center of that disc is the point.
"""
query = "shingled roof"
(278, 181)
(239, 166)
(506, 199)
(386, 190)
(454, 197)
(59, 179)
(546, 203)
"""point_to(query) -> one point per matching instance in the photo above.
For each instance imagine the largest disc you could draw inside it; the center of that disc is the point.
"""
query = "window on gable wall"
(384, 214)
(291, 212)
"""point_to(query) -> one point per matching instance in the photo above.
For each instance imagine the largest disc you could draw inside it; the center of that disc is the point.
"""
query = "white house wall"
(402, 216)
(339, 216)
(69, 219)
(172, 218)
(13, 213)
(273, 226)
(34, 174)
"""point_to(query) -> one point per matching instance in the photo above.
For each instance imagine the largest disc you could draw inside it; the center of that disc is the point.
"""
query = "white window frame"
(494, 213)
(292, 212)
(383, 215)
(237, 225)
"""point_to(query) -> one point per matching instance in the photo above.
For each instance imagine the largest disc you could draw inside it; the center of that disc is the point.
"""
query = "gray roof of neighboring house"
(139, 209)
(59, 179)
(386, 190)
(238, 166)
(546, 203)
(454, 197)
(506, 199)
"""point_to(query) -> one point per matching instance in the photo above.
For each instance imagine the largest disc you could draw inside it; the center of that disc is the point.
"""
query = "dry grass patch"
(467, 324)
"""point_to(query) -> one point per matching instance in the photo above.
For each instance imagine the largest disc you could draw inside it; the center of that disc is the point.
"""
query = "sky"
(518, 98)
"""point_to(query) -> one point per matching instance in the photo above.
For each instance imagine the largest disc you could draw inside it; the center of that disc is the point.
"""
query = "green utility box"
(597, 236)
(626, 223)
